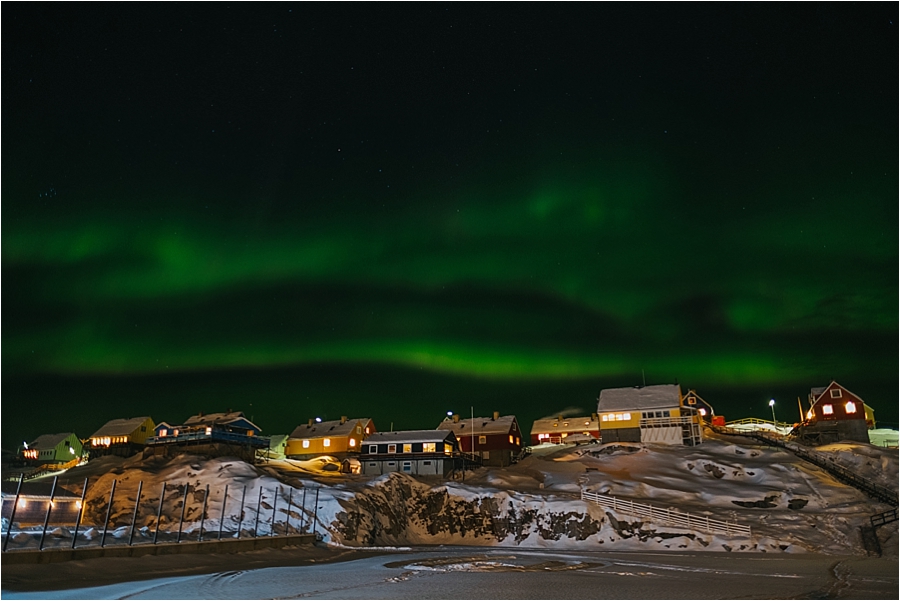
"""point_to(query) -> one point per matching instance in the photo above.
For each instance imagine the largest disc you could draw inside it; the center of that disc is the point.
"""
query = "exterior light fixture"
(772, 405)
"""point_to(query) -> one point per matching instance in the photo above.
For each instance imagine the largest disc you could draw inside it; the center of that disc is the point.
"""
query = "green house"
(52, 448)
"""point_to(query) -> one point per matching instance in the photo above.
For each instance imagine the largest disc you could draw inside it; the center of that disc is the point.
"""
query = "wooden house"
(213, 434)
(836, 414)
(338, 438)
(648, 414)
(52, 449)
(704, 409)
(558, 430)
(123, 437)
(32, 499)
(497, 440)
(417, 452)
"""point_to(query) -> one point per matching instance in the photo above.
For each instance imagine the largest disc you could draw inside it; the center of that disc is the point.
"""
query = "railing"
(880, 519)
(215, 436)
(657, 422)
(840, 472)
(667, 516)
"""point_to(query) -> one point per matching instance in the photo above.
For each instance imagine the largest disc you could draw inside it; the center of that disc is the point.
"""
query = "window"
(587, 423)
(565, 423)
(326, 442)
(428, 447)
(175, 432)
(407, 447)
(486, 455)
(373, 464)
(143, 428)
(392, 448)
(510, 439)
(359, 429)
(208, 431)
(352, 442)
(692, 400)
(827, 409)
(835, 393)
(482, 440)
(163, 432)
(666, 414)
(426, 463)
(850, 407)
(517, 440)
(702, 411)
(367, 429)
(373, 449)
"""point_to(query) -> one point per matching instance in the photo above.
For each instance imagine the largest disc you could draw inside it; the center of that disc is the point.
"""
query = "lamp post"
(772, 405)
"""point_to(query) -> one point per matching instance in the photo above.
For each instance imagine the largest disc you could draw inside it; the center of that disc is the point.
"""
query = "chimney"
(200, 414)
(455, 418)
(310, 422)
(594, 417)
(343, 419)
(559, 418)
(496, 415)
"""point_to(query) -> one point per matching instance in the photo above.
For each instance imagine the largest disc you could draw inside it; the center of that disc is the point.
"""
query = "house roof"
(209, 419)
(49, 441)
(329, 428)
(555, 424)
(480, 425)
(819, 392)
(120, 427)
(410, 436)
(639, 397)
(36, 489)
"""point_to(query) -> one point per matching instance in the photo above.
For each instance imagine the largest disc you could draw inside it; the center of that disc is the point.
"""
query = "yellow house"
(649, 414)
(121, 436)
(338, 437)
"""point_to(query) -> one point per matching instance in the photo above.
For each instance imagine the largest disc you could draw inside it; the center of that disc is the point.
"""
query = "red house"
(497, 440)
(836, 414)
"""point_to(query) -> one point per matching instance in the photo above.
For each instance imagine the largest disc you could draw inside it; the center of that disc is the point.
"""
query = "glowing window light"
(327, 442)
(850, 407)
(827, 409)
(510, 439)
(305, 444)
(352, 442)
(702, 411)
(163, 432)
(22, 503)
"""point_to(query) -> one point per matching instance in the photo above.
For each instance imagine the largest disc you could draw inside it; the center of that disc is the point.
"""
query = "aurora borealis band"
(299, 210)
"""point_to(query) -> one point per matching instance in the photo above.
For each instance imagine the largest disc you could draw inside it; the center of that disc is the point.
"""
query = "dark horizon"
(320, 205)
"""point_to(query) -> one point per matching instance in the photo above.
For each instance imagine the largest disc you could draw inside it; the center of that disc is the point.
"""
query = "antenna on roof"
(643, 379)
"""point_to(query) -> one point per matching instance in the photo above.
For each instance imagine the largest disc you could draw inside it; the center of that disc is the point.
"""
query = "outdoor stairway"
(667, 516)
(882, 493)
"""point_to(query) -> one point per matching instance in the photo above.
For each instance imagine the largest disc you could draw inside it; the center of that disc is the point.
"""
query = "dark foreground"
(459, 573)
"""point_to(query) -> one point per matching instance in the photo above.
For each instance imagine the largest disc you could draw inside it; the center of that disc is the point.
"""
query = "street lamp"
(772, 405)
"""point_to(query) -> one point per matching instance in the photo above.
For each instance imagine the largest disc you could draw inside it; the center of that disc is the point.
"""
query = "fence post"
(162, 495)
(316, 512)
(274, 513)
(112, 493)
(47, 517)
(80, 511)
(12, 514)
(222, 517)
(134, 516)
(303, 510)
(241, 518)
(258, 508)
(183, 506)
(287, 522)
(203, 514)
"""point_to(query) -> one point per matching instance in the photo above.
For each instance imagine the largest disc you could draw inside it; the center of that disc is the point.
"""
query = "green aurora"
(562, 252)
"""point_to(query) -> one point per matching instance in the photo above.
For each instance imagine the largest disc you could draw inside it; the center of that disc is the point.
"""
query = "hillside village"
(482, 480)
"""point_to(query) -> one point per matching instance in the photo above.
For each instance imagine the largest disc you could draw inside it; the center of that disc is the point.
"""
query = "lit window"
(367, 429)
(517, 440)
(175, 432)
(702, 411)
(208, 431)
(22, 503)
(605, 417)
(407, 447)
(510, 439)
(305, 444)
(692, 400)
(835, 393)
(428, 447)
(163, 432)
(587, 423)
(352, 442)
(850, 407)
(392, 448)
(827, 409)
(482, 440)
(326, 442)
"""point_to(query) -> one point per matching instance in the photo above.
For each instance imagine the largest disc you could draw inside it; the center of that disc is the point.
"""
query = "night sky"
(396, 211)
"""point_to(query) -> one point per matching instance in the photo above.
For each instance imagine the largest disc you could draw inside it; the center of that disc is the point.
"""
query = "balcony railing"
(198, 436)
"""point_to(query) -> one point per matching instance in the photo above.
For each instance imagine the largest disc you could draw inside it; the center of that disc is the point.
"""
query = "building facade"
(414, 452)
(496, 440)
(121, 437)
(836, 414)
(52, 449)
(648, 414)
(558, 430)
(339, 438)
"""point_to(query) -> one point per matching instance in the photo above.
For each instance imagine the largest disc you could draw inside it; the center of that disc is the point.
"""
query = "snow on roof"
(49, 441)
(120, 426)
(565, 424)
(214, 418)
(639, 397)
(410, 436)
(329, 428)
(480, 425)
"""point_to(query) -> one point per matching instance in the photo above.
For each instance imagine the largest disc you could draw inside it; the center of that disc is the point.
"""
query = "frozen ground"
(465, 573)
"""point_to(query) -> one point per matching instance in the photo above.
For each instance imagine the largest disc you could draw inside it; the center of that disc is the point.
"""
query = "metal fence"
(667, 516)
(182, 512)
